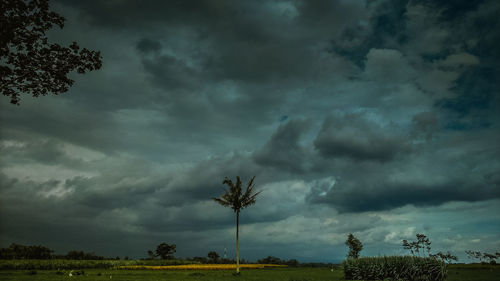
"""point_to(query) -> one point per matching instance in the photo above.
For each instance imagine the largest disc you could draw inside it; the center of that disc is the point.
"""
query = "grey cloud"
(103, 193)
(193, 91)
(283, 151)
(170, 73)
(383, 28)
(146, 46)
(364, 196)
(426, 33)
(204, 180)
(76, 125)
(354, 137)
(253, 42)
(425, 124)
(144, 14)
(433, 175)
(387, 66)
(41, 150)
(6, 182)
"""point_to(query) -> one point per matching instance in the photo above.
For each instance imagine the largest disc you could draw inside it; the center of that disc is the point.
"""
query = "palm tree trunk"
(237, 244)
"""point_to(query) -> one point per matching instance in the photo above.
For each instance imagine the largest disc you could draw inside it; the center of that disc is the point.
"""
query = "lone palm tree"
(237, 200)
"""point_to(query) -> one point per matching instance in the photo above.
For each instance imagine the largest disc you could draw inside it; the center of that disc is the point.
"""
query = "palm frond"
(234, 197)
(222, 201)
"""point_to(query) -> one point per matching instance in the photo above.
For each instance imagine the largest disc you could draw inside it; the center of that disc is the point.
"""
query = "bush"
(395, 268)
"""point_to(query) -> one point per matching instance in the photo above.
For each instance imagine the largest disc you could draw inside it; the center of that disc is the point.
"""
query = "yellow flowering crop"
(200, 266)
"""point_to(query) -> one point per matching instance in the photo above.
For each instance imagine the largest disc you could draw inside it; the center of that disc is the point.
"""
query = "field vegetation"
(461, 272)
(394, 268)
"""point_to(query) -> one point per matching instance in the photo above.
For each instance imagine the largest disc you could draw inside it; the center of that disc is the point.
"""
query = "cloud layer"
(377, 118)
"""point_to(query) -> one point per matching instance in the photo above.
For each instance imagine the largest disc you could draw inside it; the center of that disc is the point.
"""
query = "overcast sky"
(379, 118)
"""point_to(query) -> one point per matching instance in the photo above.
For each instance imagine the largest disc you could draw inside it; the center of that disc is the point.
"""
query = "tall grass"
(395, 268)
(81, 264)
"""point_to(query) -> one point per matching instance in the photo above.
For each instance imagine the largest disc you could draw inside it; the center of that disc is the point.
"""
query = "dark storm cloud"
(218, 63)
(400, 101)
(248, 41)
(6, 182)
(80, 126)
(170, 73)
(108, 204)
(362, 196)
(91, 192)
(42, 150)
(477, 93)
(147, 46)
(204, 180)
(140, 14)
(67, 221)
(432, 175)
(283, 151)
(354, 137)
(425, 125)
(383, 29)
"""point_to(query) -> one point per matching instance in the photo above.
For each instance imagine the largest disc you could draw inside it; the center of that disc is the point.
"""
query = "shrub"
(355, 246)
(395, 268)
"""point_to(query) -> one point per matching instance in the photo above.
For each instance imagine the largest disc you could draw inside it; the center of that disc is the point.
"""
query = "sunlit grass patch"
(201, 266)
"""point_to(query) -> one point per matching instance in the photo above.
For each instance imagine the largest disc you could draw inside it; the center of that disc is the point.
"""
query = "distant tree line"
(275, 260)
(18, 251)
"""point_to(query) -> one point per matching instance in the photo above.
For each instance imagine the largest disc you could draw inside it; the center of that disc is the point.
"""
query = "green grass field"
(458, 273)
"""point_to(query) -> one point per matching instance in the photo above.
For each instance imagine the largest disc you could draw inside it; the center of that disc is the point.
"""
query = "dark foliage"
(165, 251)
(235, 198)
(355, 246)
(17, 251)
(423, 245)
(275, 260)
(270, 260)
(446, 257)
(420, 246)
(213, 256)
(81, 255)
(28, 62)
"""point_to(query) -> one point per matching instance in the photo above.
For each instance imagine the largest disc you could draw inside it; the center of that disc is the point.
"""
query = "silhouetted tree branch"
(28, 62)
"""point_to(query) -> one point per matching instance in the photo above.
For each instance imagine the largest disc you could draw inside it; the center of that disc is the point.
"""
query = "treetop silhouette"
(28, 62)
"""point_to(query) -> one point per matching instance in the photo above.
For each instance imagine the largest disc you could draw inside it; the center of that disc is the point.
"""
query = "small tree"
(151, 255)
(213, 256)
(422, 243)
(270, 260)
(165, 251)
(355, 246)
